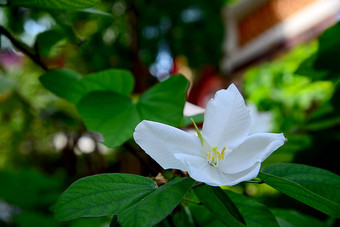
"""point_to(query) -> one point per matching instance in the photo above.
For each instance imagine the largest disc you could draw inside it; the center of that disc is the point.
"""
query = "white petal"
(199, 169)
(248, 174)
(256, 148)
(227, 119)
(161, 142)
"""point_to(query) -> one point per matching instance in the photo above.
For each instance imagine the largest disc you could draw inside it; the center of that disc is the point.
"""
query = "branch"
(22, 47)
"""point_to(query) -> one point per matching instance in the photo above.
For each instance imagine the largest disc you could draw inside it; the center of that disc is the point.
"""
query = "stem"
(197, 184)
(22, 47)
(192, 201)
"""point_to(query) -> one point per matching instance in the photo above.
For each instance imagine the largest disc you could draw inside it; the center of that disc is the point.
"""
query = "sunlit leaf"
(113, 115)
(116, 80)
(165, 101)
(315, 187)
(55, 4)
(101, 195)
(72, 86)
(219, 204)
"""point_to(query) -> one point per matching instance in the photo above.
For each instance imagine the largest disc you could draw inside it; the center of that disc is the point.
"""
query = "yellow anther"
(222, 153)
(209, 156)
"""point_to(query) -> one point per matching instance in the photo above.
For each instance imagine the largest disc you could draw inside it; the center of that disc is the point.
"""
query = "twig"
(22, 47)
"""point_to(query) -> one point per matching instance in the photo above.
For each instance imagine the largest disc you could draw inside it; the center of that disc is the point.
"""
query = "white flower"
(223, 154)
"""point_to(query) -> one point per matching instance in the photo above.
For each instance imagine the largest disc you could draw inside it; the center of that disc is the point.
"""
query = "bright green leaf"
(157, 205)
(315, 187)
(55, 4)
(116, 80)
(101, 195)
(62, 83)
(72, 86)
(113, 115)
(292, 218)
(219, 204)
(255, 214)
(165, 101)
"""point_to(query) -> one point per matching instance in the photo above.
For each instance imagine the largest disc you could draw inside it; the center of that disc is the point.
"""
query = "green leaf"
(71, 86)
(315, 187)
(47, 39)
(292, 218)
(62, 83)
(101, 195)
(55, 4)
(183, 217)
(219, 204)
(42, 190)
(203, 216)
(157, 205)
(113, 115)
(198, 118)
(254, 213)
(165, 101)
(116, 80)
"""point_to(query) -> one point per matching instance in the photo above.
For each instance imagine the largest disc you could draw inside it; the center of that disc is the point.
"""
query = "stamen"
(222, 153)
(215, 156)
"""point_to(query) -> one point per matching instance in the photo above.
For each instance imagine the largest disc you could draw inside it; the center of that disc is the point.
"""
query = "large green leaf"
(254, 213)
(101, 195)
(116, 80)
(115, 116)
(72, 86)
(62, 83)
(292, 218)
(55, 4)
(315, 187)
(135, 199)
(157, 205)
(219, 204)
(165, 101)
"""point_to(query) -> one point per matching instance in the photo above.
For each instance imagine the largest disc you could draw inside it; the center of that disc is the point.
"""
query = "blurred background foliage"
(40, 134)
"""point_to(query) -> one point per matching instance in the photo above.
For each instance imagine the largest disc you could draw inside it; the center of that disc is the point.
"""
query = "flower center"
(214, 157)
